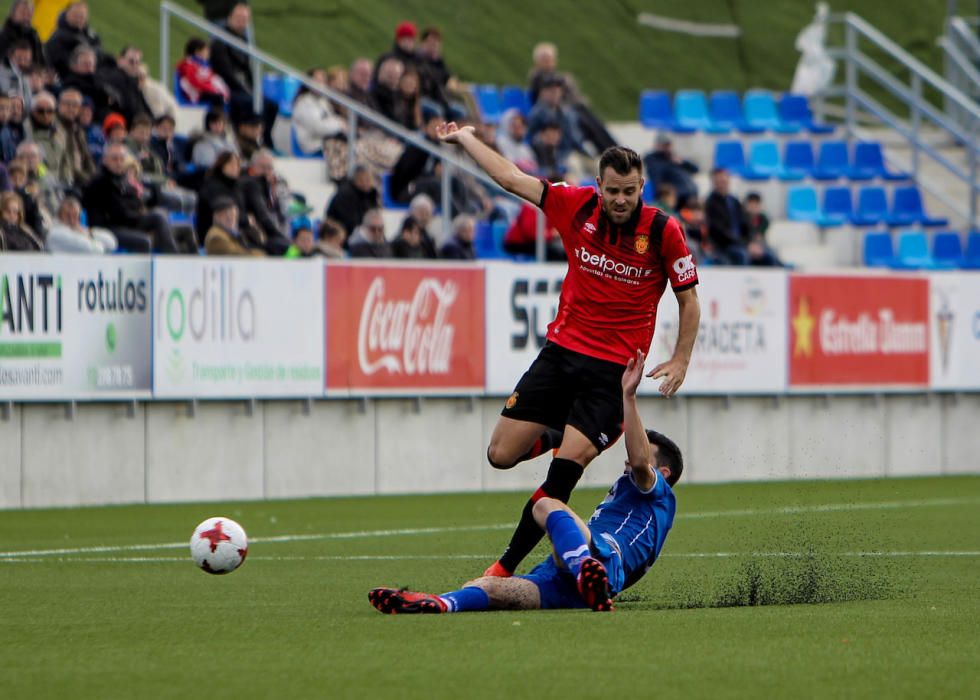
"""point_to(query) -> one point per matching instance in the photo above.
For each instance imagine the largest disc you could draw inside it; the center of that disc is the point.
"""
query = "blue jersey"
(634, 523)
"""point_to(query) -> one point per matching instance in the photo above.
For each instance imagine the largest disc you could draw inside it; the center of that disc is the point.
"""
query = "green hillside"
(599, 41)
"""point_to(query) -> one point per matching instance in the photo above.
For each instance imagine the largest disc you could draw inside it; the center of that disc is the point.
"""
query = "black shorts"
(563, 387)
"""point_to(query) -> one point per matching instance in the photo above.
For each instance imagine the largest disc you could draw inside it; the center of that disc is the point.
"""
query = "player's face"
(620, 194)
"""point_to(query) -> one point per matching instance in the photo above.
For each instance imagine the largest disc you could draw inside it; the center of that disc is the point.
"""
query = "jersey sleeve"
(678, 260)
(561, 202)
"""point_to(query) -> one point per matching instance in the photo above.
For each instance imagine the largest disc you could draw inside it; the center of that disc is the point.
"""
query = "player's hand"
(672, 372)
(633, 374)
(450, 133)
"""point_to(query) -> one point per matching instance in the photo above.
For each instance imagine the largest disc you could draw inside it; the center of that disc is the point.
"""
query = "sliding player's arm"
(501, 170)
(638, 453)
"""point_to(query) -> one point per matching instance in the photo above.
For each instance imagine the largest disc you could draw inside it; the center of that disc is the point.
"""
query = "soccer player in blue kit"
(593, 562)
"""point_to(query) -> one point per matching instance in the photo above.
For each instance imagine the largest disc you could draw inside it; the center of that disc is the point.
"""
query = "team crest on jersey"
(641, 243)
(512, 401)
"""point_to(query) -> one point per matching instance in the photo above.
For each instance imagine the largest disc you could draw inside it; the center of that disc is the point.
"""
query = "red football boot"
(593, 585)
(393, 601)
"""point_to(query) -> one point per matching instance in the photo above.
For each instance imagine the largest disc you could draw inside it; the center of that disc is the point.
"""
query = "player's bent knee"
(498, 458)
(544, 506)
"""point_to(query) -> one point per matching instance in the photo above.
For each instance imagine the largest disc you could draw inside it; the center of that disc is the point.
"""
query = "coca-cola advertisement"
(404, 329)
(858, 331)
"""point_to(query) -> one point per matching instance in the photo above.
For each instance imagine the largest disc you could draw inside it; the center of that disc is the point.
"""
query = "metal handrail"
(355, 110)
(960, 122)
(960, 29)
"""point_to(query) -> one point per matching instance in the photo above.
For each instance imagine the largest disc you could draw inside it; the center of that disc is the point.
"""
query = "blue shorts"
(557, 585)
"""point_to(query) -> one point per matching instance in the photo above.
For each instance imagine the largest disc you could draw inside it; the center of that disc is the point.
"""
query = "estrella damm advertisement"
(74, 327)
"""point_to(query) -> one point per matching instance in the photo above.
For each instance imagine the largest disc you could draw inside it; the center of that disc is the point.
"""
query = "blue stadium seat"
(878, 251)
(297, 152)
(486, 243)
(797, 160)
(514, 97)
(838, 207)
(656, 111)
(729, 155)
(832, 161)
(795, 109)
(971, 259)
(763, 162)
(649, 193)
(907, 209)
(947, 250)
(726, 111)
(872, 207)
(691, 113)
(760, 111)
(290, 88)
(869, 163)
(272, 86)
(801, 204)
(913, 252)
(387, 200)
(488, 100)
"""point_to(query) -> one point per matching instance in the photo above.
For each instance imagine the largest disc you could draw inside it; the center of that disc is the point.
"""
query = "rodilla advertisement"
(741, 343)
(404, 329)
(74, 327)
(237, 328)
(851, 332)
(954, 313)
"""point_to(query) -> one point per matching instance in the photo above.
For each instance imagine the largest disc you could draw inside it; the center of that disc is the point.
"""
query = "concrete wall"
(166, 452)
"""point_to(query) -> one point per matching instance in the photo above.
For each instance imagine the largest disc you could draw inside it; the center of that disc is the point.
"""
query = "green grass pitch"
(803, 589)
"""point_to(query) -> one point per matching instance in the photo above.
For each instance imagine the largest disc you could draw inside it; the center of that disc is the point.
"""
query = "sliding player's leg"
(487, 593)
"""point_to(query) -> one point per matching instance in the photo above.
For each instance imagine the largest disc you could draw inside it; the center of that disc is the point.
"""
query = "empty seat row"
(913, 251)
(758, 112)
(493, 101)
(833, 161)
(872, 207)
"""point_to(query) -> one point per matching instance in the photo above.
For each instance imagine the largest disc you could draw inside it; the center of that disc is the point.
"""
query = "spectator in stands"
(550, 155)
(79, 165)
(71, 32)
(756, 225)
(421, 209)
(592, 130)
(403, 50)
(92, 129)
(665, 198)
(369, 239)
(415, 162)
(263, 201)
(81, 76)
(522, 236)
(359, 89)
(663, 165)
(235, 69)
(11, 133)
(511, 141)
(223, 182)
(549, 110)
(224, 236)
(314, 117)
(173, 154)
(695, 228)
(408, 243)
(15, 235)
(213, 142)
(439, 85)
(726, 227)
(154, 174)
(408, 102)
(332, 239)
(459, 246)
(18, 27)
(44, 130)
(113, 202)
(122, 77)
(13, 72)
(198, 81)
(42, 186)
(248, 134)
(68, 235)
(217, 10)
(385, 88)
(114, 128)
(303, 245)
(19, 183)
(157, 97)
(355, 197)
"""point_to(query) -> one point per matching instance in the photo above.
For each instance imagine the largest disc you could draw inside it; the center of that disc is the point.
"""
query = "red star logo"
(216, 535)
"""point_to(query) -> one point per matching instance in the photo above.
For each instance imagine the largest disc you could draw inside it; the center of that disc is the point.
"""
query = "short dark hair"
(431, 31)
(222, 203)
(20, 45)
(753, 197)
(331, 228)
(668, 455)
(622, 160)
(221, 161)
(718, 169)
(665, 189)
(193, 45)
(212, 116)
(142, 119)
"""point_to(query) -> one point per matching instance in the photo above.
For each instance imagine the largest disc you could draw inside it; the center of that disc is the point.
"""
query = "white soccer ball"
(219, 545)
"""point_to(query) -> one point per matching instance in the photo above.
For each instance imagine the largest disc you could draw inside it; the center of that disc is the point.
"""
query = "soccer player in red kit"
(621, 255)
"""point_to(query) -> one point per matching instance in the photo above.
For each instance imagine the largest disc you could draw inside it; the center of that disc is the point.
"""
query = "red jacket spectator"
(196, 77)
(521, 237)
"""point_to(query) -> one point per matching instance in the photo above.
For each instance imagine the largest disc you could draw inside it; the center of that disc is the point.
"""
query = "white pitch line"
(305, 537)
(450, 557)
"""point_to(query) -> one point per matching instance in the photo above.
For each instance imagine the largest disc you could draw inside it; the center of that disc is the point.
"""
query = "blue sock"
(568, 540)
(469, 599)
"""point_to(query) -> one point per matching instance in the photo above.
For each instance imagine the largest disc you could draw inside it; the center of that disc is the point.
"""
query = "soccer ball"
(219, 545)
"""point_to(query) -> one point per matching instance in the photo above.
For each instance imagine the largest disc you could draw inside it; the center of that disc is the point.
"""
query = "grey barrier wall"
(104, 453)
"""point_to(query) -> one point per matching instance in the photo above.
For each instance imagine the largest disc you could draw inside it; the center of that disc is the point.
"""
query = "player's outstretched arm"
(638, 453)
(503, 172)
(674, 370)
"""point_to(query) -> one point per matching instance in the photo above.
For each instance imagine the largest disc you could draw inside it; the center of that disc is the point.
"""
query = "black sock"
(549, 440)
(563, 474)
